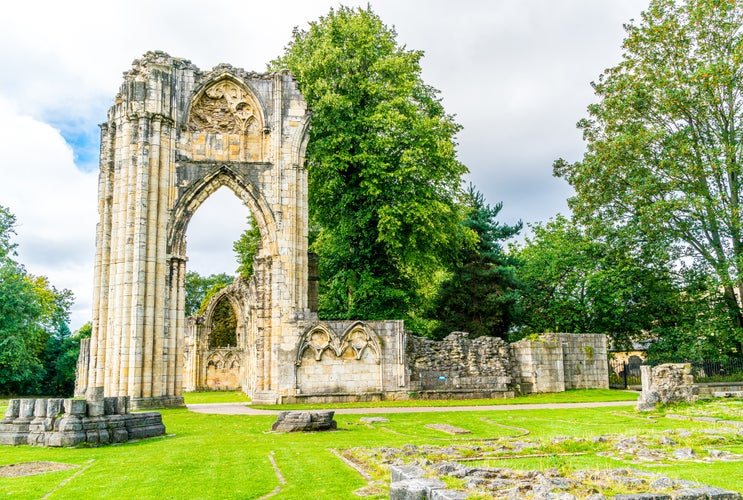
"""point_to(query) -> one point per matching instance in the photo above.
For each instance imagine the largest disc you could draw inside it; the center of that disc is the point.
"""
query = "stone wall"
(585, 360)
(538, 365)
(459, 364)
(554, 362)
(349, 361)
(69, 422)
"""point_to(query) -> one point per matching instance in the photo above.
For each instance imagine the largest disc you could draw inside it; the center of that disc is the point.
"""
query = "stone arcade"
(175, 135)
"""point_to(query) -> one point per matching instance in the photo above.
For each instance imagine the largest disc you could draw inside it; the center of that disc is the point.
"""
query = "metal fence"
(623, 374)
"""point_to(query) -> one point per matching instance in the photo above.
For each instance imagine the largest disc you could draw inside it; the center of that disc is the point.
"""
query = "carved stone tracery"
(356, 339)
(225, 108)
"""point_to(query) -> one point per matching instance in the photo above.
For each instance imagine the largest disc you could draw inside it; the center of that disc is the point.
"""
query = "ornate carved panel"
(226, 124)
(225, 108)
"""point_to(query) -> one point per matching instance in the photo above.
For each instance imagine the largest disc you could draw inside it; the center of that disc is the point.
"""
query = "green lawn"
(228, 456)
(571, 396)
(215, 397)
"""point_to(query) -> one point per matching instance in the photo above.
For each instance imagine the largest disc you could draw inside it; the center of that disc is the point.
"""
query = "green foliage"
(224, 325)
(578, 283)
(246, 248)
(664, 139)
(200, 289)
(481, 295)
(60, 360)
(383, 176)
(701, 329)
(32, 311)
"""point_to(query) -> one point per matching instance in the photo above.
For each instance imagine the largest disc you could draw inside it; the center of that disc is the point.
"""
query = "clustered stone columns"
(134, 349)
(174, 136)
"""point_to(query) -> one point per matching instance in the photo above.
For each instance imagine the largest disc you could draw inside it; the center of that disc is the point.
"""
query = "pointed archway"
(173, 137)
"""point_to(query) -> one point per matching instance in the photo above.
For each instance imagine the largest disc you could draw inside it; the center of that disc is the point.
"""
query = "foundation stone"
(58, 422)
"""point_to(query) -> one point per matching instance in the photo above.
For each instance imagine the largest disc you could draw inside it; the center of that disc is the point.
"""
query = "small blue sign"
(442, 377)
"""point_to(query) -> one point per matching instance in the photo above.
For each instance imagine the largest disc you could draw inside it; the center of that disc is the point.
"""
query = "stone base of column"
(157, 402)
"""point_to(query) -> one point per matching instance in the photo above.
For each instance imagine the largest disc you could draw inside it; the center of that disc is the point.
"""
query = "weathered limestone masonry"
(69, 422)
(460, 367)
(174, 135)
(666, 383)
(555, 362)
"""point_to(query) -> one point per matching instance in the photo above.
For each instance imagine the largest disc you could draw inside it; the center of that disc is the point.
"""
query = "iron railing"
(623, 374)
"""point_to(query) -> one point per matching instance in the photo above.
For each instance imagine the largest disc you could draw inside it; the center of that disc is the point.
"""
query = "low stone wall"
(348, 359)
(708, 390)
(68, 422)
(554, 362)
(458, 364)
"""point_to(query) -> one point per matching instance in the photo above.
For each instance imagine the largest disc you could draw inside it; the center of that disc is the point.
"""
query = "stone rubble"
(410, 482)
(304, 421)
(666, 384)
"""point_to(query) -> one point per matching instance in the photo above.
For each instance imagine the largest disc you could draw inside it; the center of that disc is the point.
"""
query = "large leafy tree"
(383, 175)
(31, 312)
(577, 282)
(665, 138)
(481, 295)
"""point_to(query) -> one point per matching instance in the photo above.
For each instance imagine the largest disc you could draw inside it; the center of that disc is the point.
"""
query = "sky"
(515, 73)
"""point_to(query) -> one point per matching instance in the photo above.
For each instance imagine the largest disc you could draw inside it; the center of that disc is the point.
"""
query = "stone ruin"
(174, 135)
(56, 422)
(665, 384)
(411, 482)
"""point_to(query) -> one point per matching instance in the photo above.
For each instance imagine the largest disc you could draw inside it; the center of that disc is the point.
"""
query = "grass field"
(230, 456)
(571, 396)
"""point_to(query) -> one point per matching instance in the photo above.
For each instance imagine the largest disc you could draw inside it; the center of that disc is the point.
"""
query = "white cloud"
(54, 204)
(515, 72)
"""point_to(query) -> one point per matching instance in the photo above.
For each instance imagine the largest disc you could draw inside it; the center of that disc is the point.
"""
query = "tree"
(31, 311)
(224, 326)
(666, 135)
(246, 248)
(384, 180)
(481, 295)
(60, 360)
(199, 289)
(573, 281)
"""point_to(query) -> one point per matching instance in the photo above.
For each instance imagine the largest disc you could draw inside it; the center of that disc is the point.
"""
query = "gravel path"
(245, 409)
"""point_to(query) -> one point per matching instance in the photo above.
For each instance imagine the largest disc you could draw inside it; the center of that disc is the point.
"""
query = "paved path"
(245, 409)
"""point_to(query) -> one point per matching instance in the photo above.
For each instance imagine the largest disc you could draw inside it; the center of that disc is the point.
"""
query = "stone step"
(728, 394)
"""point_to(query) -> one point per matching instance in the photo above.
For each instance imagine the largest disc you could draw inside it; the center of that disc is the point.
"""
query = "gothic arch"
(199, 190)
(301, 139)
(231, 294)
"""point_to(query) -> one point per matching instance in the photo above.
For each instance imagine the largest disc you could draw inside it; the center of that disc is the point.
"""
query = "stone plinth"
(69, 422)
